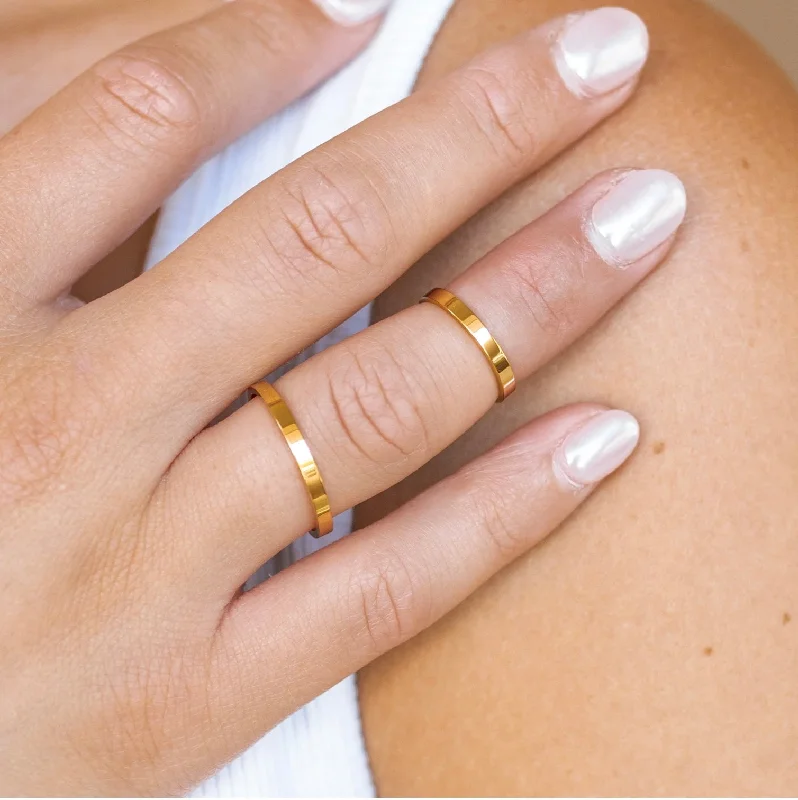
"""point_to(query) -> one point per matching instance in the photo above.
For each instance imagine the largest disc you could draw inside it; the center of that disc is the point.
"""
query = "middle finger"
(298, 254)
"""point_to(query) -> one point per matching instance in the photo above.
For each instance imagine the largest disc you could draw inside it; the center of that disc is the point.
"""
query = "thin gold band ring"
(301, 452)
(505, 377)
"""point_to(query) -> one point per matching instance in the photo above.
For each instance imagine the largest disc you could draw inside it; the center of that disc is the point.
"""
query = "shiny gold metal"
(505, 378)
(301, 452)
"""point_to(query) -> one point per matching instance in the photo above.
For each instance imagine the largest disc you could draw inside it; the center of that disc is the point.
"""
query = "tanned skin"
(650, 646)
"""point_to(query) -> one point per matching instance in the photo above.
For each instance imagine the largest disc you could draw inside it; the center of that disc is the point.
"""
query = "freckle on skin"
(745, 246)
(745, 163)
(786, 618)
(708, 651)
(658, 448)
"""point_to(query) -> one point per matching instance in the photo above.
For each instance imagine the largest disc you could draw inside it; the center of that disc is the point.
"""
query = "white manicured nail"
(352, 12)
(638, 215)
(591, 453)
(601, 50)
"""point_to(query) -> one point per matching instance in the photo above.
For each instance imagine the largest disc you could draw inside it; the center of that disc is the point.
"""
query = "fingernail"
(597, 449)
(352, 12)
(636, 216)
(601, 50)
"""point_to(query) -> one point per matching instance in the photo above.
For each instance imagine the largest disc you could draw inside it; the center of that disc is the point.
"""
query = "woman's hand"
(131, 662)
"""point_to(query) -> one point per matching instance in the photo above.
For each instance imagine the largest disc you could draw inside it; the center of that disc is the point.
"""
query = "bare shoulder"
(649, 647)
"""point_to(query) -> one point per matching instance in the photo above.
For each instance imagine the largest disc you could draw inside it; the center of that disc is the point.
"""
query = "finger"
(94, 162)
(319, 240)
(377, 407)
(335, 611)
(52, 46)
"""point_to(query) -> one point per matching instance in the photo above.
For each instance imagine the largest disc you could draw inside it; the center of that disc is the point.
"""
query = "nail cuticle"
(564, 479)
(352, 12)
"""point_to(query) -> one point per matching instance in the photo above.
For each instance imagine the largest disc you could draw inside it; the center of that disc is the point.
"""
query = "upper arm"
(649, 646)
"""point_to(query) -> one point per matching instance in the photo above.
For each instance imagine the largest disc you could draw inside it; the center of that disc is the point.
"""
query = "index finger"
(92, 164)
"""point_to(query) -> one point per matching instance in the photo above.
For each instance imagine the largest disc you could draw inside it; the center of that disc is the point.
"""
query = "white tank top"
(319, 750)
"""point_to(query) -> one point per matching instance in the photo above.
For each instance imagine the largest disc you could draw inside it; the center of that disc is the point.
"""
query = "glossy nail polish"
(596, 449)
(636, 216)
(601, 50)
(352, 12)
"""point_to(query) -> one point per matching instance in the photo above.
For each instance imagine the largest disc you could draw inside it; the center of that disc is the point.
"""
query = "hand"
(131, 662)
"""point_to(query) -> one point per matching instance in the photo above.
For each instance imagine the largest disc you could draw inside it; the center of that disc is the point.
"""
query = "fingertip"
(595, 449)
(639, 214)
(601, 51)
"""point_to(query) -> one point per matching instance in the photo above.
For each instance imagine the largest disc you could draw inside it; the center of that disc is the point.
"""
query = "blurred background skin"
(773, 22)
(649, 647)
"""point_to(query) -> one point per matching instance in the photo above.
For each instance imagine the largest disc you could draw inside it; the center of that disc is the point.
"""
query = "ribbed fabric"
(319, 750)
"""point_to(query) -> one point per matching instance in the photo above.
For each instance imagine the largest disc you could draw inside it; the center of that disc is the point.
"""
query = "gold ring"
(301, 452)
(505, 377)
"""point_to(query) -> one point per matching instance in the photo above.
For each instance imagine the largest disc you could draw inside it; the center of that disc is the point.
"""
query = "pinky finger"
(329, 615)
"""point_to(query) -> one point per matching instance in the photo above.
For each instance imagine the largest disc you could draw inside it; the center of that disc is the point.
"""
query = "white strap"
(319, 750)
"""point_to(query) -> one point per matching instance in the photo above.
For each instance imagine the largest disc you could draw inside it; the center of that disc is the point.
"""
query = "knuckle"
(379, 407)
(387, 603)
(275, 31)
(40, 435)
(544, 289)
(492, 102)
(330, 226)
(145, 697)
(498, 529)
(496, 510)
(140, 102)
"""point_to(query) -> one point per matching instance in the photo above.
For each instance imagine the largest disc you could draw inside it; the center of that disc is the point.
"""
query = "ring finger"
(377, 407)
